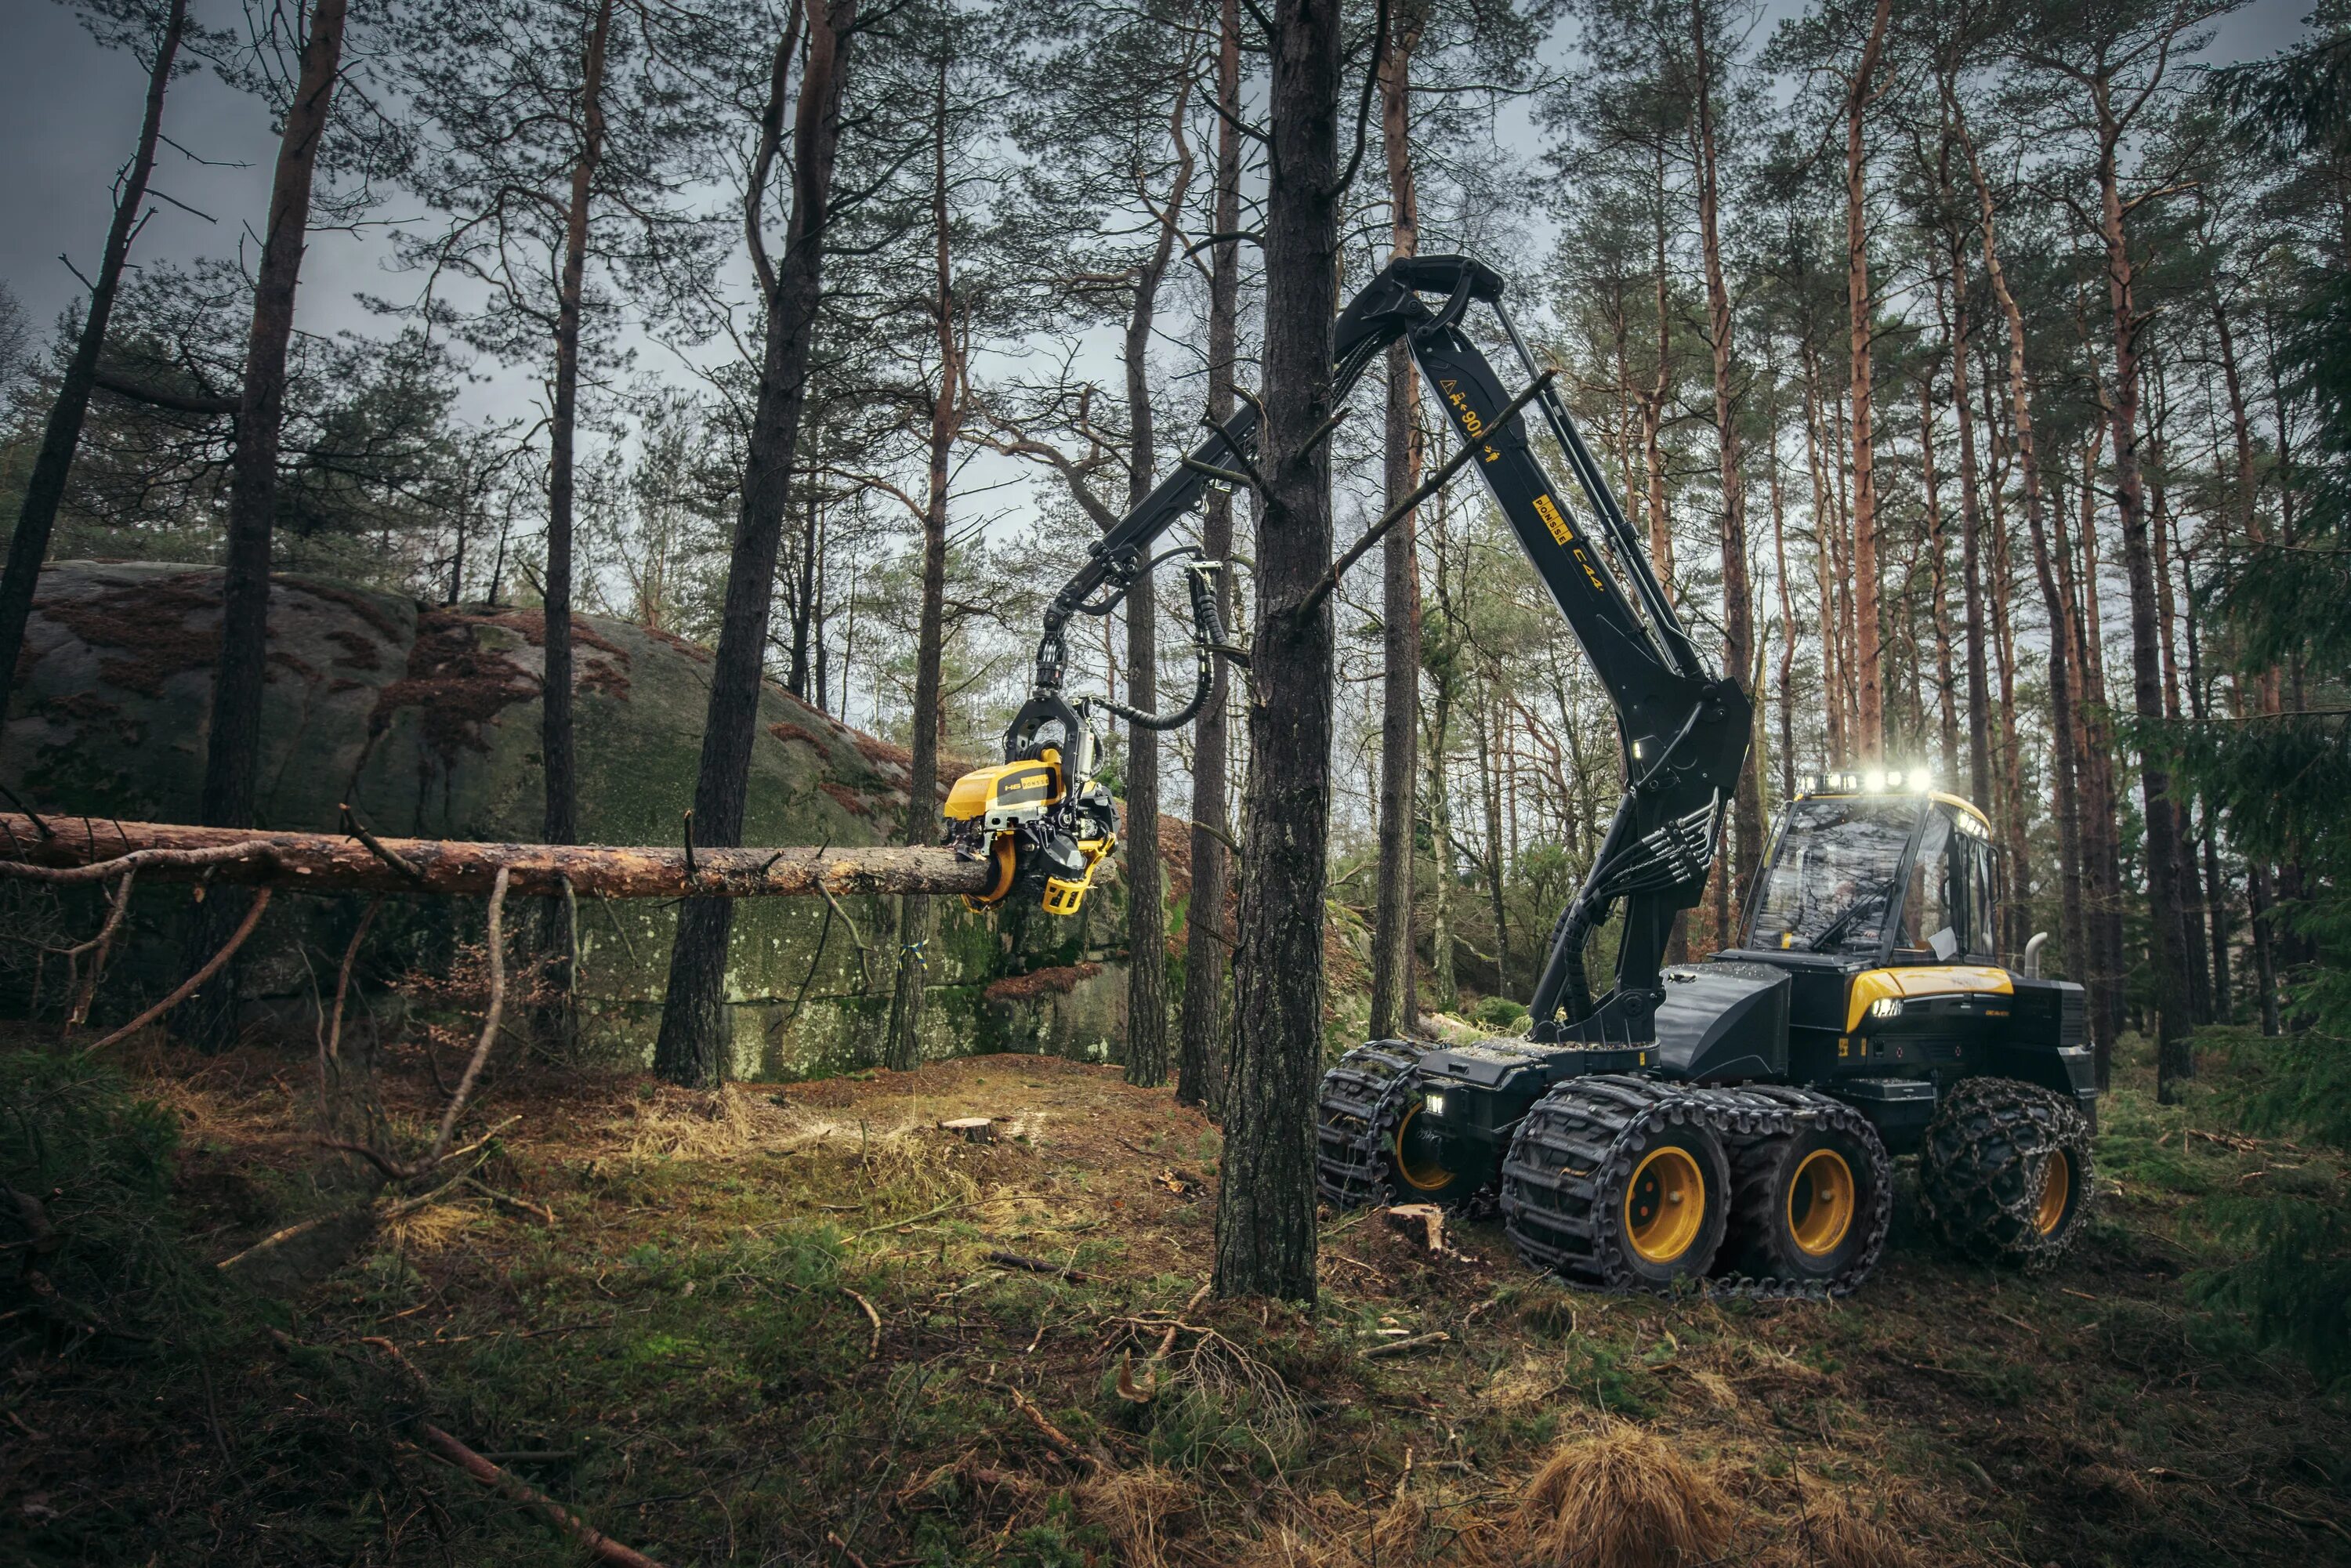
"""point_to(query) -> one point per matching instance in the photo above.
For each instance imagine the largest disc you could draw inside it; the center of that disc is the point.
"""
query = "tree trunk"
(2070, 869)
(1394, 1006)
(693, 1041)
(341, 863)
(1490, 796)
(1937, 569)
(561, 824)
(1444, 987)
(2175, 1056)
(1265, 1205)
(2014, 816)
(1737, 608)
(2216, 884)
(1824, 526)
(1146, 909)
(1980, 785)
(918, 918)
(1208, 941)
(232, 754)
(45, 488)
(1867, 655)
(1787, 611)
(1653, 407)
(2197, 955)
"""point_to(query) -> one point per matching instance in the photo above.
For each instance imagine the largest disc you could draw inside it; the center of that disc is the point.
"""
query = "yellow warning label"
(1548, 509)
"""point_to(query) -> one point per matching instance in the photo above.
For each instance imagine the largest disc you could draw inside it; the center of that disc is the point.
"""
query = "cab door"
(1954, 997)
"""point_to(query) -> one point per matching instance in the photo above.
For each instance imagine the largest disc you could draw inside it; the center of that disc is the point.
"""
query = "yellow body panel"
(1007, 786)
(1922, 980)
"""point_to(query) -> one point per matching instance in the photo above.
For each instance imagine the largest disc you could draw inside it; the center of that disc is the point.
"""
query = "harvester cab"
(1732, 1119)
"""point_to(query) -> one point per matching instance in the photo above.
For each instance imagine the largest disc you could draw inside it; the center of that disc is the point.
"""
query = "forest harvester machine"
(1732, 1120)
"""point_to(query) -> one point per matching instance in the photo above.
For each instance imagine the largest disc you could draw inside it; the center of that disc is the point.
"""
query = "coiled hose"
(1207, 634)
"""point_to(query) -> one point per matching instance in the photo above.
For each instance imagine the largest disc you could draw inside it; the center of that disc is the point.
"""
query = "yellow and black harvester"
(1732, 1120)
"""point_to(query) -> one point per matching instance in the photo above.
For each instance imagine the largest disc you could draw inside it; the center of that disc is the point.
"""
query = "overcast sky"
(68, 110)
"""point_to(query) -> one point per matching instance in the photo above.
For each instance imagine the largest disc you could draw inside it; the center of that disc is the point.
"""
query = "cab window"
(1934, 911)
(1979, 936)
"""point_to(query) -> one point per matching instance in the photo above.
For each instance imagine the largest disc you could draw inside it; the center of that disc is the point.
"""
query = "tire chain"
(1809, 1109)
(1369, 1084)
(1579, 1132)
(1957, 1192)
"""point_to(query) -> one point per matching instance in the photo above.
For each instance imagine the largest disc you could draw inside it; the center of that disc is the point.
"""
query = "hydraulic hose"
(1207, 632)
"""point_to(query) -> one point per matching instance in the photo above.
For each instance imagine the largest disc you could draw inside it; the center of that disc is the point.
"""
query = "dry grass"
(427, 1232)
(1843, 1527)
(1621, 1500)
(1141, 1509)
(718, 1125)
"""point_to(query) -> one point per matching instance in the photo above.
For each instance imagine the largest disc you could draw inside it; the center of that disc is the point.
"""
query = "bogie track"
(1600, 1158)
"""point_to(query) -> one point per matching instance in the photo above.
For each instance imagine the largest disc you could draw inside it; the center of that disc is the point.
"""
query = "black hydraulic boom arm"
(1683, 731)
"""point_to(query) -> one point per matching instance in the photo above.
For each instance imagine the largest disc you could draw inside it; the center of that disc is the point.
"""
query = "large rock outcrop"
(428, 721)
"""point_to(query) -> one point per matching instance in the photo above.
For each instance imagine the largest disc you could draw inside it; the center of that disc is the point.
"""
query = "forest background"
(1975, 372)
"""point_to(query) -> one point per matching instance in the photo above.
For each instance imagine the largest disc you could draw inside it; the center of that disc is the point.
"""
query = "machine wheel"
(1370, 1147)
(1810, 1209)
(2004, 1174)
(1618, 1181)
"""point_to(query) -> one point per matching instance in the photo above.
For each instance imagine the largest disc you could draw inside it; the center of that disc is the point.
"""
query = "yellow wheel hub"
(1821, 1203)
(1665, 1207)
(1424, 1171)
(2056, 1186)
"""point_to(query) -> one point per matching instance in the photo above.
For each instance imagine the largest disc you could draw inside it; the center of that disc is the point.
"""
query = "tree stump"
(972, 1129)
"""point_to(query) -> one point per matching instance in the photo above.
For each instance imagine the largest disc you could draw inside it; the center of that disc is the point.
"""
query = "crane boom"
(1683, 731)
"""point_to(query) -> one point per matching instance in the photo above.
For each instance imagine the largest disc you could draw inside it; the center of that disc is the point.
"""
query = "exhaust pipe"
(2033, 955)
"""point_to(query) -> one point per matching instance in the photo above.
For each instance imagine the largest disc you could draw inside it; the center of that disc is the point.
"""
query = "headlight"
(1886, 1007)
(1434, 1104)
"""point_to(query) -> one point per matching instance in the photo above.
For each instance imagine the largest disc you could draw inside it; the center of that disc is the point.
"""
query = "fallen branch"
(189, 986)
(497, 943)
(172, 851)
(873, 1345)
(1402, 1346)
(601, 1547)
(1041, 1266)
(103, 943)
(1167, 1340)
(1061, 1440)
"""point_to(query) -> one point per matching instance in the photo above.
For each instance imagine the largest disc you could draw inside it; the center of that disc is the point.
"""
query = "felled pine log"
(67, 850)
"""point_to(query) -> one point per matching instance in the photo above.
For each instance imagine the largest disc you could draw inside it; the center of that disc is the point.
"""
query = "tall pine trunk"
(45, 489)
(2070, 870)
(233, 757)
(1395, 1010)
(1737, 609)
(2167, 942)
(561, 819)
(1207, 940)
(692, 1045)
(1146, 909)
(1265, 1205)
(1971, 528)
(918, 916)
(1867, 658)
(1938, 570)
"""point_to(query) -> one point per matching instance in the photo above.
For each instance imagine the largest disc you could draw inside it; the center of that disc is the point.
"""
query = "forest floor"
(764, 1327)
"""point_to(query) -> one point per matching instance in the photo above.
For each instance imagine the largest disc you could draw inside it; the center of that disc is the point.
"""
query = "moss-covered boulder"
(427, 721)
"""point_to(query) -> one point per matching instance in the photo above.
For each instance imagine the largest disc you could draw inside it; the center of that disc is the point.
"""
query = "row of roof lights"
(1875, 781)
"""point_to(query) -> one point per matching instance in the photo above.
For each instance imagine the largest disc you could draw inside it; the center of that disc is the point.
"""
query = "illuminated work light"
(1886, 1007)
(1434, 1104)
